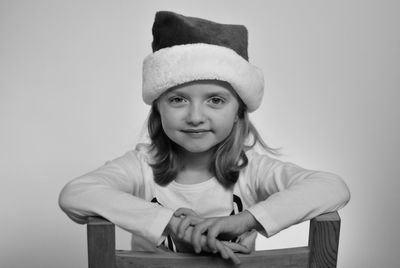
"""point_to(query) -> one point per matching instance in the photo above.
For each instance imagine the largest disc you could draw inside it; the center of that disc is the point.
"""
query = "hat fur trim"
(176, 65)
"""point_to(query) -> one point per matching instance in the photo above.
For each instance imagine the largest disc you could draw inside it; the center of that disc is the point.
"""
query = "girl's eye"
(176, 100)
(216, 100)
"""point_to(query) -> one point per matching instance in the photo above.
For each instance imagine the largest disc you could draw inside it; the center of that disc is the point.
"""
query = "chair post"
(324, 240)
(101, 243)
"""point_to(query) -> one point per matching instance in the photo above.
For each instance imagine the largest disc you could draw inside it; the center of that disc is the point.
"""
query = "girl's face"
(198, 115)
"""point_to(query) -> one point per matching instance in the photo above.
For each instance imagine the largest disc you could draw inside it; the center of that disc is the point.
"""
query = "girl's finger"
(232, 256)
(185, 223)
(237, 247)
(222, 251)
(187, 236)
(184, 212)
(228, 252)
(212, 234)
(182, 226)
(197, 232)
(204, 244)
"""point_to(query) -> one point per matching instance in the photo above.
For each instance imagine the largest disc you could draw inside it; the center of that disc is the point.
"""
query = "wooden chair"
(321, 251)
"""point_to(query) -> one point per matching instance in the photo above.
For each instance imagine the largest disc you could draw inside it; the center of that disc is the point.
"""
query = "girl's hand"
(188, 218)
(184, 244)
(225, 227)
(245, 243)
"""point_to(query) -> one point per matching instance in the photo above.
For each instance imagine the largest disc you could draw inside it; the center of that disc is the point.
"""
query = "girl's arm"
(288, 194)
(284, 194)
(116, 192)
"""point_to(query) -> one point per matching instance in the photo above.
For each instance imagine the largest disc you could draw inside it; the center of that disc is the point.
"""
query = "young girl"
(200, 183)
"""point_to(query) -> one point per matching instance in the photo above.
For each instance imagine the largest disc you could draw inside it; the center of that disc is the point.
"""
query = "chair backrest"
(321, 252)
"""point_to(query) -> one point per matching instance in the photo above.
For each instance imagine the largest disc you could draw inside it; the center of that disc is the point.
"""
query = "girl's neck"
(195, 167)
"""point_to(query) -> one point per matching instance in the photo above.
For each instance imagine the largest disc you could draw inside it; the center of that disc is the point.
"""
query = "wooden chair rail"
(321, 251)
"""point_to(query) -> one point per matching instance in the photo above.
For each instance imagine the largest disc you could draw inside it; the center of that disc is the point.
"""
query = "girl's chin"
(197, 150)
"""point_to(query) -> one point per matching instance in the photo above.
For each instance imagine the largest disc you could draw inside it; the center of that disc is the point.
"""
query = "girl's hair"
(228, 158)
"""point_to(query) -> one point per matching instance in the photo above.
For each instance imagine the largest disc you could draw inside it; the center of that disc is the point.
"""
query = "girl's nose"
(195, 114)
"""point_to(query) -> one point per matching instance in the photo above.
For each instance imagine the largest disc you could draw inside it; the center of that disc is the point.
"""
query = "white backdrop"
(70, 99)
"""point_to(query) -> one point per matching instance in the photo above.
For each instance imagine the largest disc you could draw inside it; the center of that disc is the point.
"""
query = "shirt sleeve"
(116, 191)
(288, 194)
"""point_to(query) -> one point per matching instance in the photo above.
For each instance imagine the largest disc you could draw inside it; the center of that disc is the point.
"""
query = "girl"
(200, 182)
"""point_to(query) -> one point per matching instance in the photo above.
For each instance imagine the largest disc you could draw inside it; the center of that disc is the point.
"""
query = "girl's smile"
(196, 133)
(198, 115)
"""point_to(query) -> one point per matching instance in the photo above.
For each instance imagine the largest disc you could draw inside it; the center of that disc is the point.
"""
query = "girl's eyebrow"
(177, 92)
(218, 93)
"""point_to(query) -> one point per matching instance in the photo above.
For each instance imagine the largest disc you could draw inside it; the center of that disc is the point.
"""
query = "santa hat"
(187, 49)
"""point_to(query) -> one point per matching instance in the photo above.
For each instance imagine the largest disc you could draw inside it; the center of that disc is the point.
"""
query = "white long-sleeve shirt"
(277, 194)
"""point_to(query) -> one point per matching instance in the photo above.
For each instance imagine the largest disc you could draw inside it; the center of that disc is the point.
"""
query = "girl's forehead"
(204, 87)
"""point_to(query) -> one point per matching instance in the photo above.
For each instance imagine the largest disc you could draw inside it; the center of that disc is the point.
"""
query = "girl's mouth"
(195, 130)
(196, 133)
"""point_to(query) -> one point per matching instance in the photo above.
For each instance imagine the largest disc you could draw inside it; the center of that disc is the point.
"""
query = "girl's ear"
(236, 118)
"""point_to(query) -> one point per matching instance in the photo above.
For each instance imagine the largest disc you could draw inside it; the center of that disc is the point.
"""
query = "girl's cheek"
(227, 115)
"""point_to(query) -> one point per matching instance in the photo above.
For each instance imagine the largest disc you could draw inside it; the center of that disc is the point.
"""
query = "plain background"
(70, 99)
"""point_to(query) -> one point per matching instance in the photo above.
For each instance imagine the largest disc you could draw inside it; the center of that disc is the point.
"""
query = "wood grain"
(101, 243)
(324, 240)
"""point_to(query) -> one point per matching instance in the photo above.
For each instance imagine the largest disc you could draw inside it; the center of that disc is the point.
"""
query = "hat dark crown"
(171, 29)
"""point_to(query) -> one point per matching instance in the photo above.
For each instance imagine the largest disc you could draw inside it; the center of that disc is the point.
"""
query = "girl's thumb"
(184, 212)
